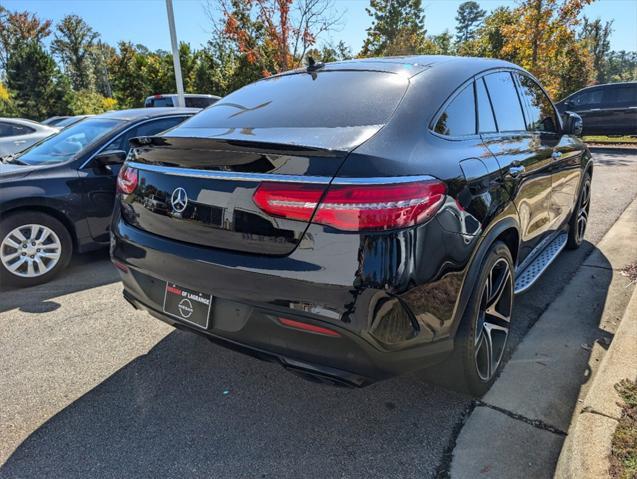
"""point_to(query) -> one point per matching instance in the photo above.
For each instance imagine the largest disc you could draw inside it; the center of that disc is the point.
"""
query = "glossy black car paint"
(609, 109)
(80, 192)
(395, 297)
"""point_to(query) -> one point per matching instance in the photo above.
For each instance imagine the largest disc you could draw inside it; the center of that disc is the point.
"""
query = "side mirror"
(573, 123)
(114, 157)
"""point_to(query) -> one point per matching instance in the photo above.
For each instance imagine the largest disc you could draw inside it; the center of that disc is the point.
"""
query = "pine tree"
(469, 18)
(398, 28)
(39, 90)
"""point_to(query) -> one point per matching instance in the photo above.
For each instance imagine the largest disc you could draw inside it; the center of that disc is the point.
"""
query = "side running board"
(525, 279)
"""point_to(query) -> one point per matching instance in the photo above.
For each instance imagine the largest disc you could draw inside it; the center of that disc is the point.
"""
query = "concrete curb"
(587, 447)
(519, 427)
(611, 147)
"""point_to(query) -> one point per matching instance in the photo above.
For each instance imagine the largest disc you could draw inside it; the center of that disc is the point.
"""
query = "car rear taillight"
(353, 207)
(295, 201)
(127, 179)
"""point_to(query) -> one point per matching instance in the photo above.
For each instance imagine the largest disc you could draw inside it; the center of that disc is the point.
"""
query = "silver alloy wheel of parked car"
(30, 250)
(493, 320)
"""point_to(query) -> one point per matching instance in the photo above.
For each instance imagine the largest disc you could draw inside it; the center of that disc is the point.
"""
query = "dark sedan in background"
(606, 110)
(57, 196)
(359, 219)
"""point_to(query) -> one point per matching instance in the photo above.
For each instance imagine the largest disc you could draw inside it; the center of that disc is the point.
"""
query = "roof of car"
(602, 85)
(140, 113)
(186, 95)
(27, 122)
(20, 120)
(410, 65)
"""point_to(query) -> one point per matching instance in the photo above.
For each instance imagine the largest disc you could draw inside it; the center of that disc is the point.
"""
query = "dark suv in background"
(609, 109)
(358, 219)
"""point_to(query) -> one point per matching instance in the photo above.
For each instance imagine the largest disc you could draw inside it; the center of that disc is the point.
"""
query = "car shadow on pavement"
(190, 408)
(85, 271)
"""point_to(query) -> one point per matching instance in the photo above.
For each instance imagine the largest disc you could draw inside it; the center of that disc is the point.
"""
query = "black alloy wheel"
(579, 218)
(482, 337)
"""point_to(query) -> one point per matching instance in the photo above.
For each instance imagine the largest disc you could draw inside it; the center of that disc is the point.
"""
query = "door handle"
(515, 171)
(19, 142)
(556, 155)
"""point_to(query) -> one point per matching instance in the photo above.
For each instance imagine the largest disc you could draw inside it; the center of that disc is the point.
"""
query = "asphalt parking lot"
(91, 388)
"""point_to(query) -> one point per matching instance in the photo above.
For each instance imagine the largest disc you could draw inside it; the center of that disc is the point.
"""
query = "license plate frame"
(187, 305)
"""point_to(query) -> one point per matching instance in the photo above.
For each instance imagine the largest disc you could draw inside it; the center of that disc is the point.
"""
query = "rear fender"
(509, 221)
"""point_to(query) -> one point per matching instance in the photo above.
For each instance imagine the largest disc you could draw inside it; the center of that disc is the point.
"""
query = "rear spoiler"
(325, 141)
(218, 144)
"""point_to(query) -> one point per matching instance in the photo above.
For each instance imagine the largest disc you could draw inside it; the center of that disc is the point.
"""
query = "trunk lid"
(199, 191)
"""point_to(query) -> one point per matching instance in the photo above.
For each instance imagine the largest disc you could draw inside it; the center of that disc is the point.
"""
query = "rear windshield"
(157, 102)
(199, 101)
(327, 99)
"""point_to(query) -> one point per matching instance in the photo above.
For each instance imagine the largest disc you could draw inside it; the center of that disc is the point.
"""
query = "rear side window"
(587, 98)
(154, 127)
(621, 95)
(505, 101)
(5, 129)
(539, 109)
(148, 128)
(8, 129)
(325, 99)
(486, 121)
(459, 117)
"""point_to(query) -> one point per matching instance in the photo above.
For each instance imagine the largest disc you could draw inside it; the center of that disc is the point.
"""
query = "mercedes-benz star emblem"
(179, 200)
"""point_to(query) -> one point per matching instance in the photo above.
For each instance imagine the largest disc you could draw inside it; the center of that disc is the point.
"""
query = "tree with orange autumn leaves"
(543, 39)
(18, 27)
(272, 36)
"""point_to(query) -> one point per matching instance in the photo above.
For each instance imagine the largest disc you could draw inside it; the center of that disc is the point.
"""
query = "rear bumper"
(298, 359)
(251, 293)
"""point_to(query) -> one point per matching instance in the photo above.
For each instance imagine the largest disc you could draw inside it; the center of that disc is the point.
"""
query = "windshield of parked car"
(70, 142)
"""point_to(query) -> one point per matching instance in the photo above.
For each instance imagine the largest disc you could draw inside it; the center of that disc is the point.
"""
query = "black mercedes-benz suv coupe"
(356, 220)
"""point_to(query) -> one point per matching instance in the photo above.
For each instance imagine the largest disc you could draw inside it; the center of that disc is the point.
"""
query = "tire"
(486, 321)
(49, 252)
(579, 218)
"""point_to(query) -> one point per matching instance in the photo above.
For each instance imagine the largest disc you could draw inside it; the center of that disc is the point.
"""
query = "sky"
(144, 21)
